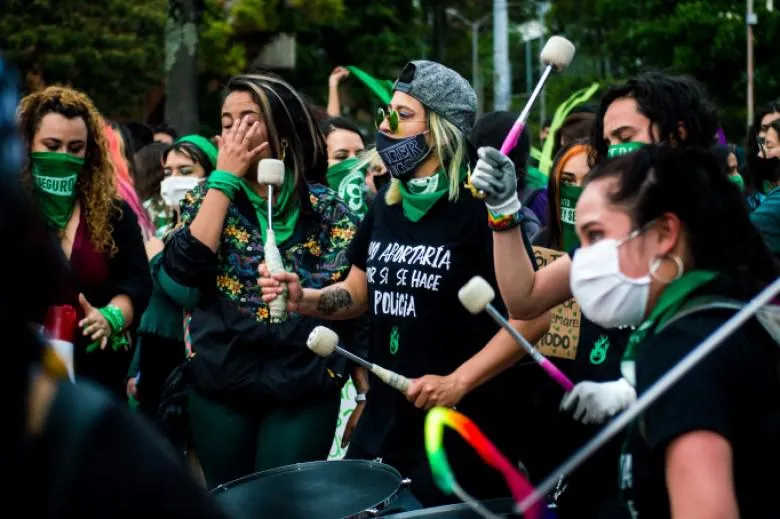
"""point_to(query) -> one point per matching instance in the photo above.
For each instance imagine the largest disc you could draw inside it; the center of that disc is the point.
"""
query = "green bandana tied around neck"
(616, 150)
(349, 182)
(55, 176)
(569, 196)
(671, 300)
(739, 181)
(286, 211)
(418, 195)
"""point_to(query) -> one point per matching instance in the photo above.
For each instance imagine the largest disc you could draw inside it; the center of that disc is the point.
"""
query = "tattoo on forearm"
(334, 299)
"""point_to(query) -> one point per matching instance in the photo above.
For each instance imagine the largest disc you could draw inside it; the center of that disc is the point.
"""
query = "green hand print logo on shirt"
(599, 352)
(394, 340)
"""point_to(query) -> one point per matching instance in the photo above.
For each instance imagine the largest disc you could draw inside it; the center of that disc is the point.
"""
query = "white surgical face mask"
(173, 189)
(606, 296)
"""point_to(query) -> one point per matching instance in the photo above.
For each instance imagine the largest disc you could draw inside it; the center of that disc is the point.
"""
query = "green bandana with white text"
(54, 183)
(624, 148)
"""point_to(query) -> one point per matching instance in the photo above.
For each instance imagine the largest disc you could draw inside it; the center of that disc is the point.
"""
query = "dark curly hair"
(689, 182)
(667, 101)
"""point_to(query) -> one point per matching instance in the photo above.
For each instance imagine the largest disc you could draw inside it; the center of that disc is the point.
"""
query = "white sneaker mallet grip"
(476, 296)
(324, 342)
(271, 172)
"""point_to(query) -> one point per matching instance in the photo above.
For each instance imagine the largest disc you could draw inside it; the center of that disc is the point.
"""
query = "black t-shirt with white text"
(733, 392)
(414, 271)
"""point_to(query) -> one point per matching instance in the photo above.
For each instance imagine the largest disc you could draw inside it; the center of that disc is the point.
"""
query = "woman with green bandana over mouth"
(423, 238)
(649, 108)
(258, 397)
(74, 187)
(346, 168)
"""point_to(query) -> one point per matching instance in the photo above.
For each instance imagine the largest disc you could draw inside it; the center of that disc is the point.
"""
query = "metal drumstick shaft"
(540, 359)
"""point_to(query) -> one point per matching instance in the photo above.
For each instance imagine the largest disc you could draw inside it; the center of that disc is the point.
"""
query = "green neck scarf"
(55, 176)
(569, 194)
(418, 195)
(285, 212)
(616, 150)
(668, 304)
(349, 181)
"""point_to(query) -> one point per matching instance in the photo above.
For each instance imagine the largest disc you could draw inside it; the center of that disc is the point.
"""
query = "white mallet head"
(322, 341)
(270, 171)
(476, 294)
(557, 52)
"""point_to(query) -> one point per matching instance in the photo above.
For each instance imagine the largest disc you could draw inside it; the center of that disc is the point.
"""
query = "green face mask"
(349, 182)
(616, 150)
(739, 181)
(55, 176)
(569, 196)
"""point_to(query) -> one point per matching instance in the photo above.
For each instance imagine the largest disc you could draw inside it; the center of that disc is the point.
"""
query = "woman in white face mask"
(160, 338)
(663, 234)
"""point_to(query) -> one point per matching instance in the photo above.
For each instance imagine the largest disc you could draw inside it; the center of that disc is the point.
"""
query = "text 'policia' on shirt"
(413, 259)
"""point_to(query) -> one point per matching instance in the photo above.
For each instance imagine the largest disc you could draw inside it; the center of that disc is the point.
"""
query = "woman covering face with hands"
(74, 187)
(258, 397)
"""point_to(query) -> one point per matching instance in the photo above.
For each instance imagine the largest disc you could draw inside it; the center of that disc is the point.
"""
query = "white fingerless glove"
(597, 401)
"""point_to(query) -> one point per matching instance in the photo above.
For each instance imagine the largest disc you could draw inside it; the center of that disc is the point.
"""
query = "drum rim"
(298, 467)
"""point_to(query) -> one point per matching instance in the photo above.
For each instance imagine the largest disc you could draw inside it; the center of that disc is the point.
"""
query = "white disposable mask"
(606, 296)
(173, 189)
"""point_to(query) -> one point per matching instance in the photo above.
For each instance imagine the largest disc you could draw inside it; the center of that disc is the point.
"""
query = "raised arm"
(527, 294)
(345, 300)
(334, 100)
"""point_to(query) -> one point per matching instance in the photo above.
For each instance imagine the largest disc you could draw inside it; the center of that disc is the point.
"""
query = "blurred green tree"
(705, 39)
(111, 49)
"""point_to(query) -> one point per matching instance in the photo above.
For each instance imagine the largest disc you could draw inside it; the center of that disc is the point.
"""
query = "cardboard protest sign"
(562, 339)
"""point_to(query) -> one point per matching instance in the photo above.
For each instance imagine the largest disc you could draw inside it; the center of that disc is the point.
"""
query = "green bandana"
(569, 196)
(349, 182)
(739, 181)
(668, 304)
(616, 150)
(55, 176)
(204, 145)
(418, 195)
(286, 211)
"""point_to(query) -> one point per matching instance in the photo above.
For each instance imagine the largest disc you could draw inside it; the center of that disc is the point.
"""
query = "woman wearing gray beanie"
(421, 241)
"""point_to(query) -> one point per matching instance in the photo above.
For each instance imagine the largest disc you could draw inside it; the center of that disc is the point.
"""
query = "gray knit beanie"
(441, 90)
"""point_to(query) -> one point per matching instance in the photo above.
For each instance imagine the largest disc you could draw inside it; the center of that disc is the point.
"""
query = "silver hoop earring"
(657, 261)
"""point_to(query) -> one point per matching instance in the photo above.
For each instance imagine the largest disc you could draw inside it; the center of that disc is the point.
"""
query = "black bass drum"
(339, 489)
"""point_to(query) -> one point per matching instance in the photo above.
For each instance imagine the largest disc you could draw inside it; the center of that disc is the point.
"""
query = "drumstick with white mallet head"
(476, 296)
(325, 342)
(556, 55)
(271, 173)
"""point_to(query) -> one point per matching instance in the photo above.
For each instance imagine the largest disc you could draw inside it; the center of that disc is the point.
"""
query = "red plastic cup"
(61, 323)
(60, 330)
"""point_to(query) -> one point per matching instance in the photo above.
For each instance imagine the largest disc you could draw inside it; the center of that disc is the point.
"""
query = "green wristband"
(114, 317)
(116, 321)
(225, 182)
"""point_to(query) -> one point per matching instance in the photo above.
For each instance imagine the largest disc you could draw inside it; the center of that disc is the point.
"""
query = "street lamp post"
(476, 79)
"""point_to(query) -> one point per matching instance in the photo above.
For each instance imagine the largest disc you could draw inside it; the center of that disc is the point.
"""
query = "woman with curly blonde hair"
(72, 181)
